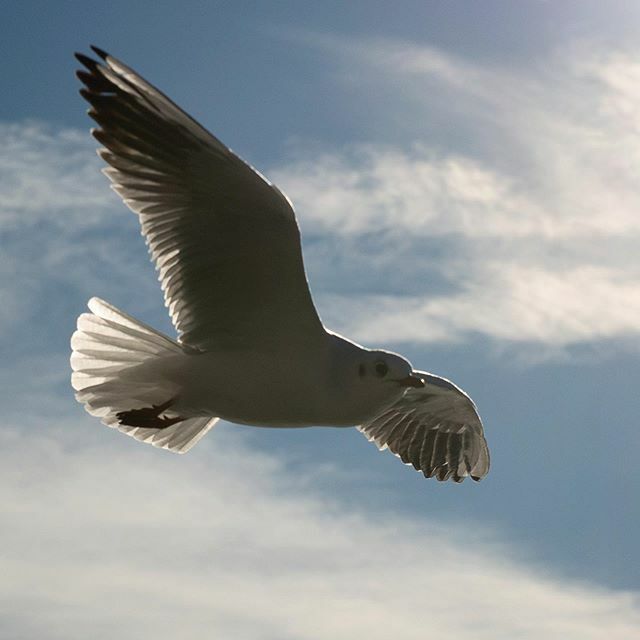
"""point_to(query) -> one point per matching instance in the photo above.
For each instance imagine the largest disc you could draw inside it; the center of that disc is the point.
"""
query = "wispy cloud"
(49, 175)
(537, 207)
(236, 549)
(61, 227)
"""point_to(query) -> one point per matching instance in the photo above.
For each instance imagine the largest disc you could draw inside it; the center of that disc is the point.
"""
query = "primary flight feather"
(251, 347)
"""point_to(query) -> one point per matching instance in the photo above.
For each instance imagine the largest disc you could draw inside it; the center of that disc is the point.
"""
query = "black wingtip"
(86, 61)
(100, 52)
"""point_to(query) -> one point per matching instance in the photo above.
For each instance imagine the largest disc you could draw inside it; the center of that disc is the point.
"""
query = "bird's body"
(293, 392)
(251, 349)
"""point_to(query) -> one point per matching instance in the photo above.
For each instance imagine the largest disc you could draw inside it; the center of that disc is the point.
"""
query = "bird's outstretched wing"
(224, 240)
(436, 429)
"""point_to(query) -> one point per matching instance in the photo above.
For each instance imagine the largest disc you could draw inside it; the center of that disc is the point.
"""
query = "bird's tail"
(117, 367)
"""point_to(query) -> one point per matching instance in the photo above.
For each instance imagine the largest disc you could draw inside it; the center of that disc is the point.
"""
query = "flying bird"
(251, 348)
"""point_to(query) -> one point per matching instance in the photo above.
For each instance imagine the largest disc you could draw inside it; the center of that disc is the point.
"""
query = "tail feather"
(179, 437)
(116, 362)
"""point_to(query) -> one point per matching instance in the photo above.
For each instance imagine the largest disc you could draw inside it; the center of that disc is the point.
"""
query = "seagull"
(251, 348)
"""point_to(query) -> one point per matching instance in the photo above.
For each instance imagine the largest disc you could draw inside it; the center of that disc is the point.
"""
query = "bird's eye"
(381, 369)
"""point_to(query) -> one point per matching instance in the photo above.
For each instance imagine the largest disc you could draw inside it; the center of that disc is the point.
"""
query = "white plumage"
(109, 349)
(251, 347)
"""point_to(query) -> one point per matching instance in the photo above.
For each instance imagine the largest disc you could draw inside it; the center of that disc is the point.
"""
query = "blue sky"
(465, 177)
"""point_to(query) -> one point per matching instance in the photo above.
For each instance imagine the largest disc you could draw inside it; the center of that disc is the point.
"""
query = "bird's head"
(368, 380)
(384, 369)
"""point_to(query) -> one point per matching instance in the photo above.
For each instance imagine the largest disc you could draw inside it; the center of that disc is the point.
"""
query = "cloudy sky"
(466, 179)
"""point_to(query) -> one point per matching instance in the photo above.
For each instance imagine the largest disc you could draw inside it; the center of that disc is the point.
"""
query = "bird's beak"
(412, 380)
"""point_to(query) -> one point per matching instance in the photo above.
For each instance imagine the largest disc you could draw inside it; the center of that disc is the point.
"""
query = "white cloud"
(108, 540)
(513, 305)
(61, 225)
(49, 175)
(373, 189)
(539, 216)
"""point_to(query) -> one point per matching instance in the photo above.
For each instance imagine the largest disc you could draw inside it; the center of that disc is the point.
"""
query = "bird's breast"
(261, 389)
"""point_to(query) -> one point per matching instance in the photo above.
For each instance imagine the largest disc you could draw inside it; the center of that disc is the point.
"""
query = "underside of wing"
(224, 240)
(436, 429)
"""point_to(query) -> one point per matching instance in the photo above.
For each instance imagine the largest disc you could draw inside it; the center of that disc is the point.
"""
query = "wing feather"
(224, 240)
(435, 429)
